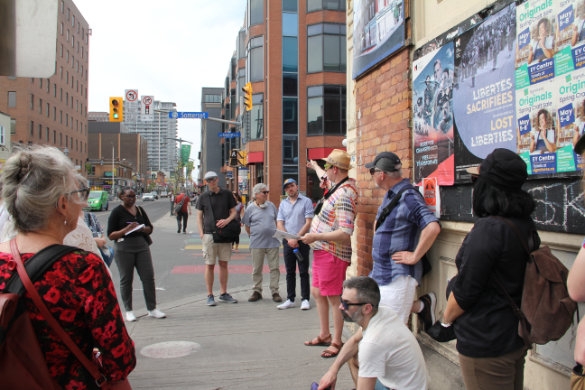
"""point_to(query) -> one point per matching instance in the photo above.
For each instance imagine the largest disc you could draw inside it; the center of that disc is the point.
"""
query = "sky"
(168, 49)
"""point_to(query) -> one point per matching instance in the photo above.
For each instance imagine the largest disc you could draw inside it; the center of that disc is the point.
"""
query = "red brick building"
(53, 111)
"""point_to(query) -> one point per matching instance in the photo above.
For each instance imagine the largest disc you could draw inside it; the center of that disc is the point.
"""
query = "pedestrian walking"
(491, 353)
(215, 209)
(132, 251)
(295, 214)
(330, 239)
(260, 222)
(182, 214)
(172, 199)
(45, 195)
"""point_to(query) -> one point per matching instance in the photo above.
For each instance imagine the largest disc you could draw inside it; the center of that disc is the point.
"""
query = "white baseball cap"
(210, 175)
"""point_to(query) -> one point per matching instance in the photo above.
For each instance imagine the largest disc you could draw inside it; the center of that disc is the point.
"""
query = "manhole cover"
(170, 349)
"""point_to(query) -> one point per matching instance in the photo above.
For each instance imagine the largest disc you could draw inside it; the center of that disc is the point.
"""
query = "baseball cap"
(287, 182)
(503, 169)
(386, 161)
(210, 175)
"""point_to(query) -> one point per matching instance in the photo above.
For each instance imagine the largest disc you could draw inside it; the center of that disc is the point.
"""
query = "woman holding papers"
(130, 229)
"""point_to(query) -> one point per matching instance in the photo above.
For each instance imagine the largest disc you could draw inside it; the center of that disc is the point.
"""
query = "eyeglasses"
(83, 193)
(328, 166)
(211, 179)
(130, 196)
(374, 170)
(347, 304)
(264, 192)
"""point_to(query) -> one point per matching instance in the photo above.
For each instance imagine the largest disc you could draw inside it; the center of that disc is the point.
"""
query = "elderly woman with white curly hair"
(44, 196)
(260, 221)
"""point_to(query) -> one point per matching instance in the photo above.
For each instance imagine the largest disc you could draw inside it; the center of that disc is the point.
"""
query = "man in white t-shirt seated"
(389, 355)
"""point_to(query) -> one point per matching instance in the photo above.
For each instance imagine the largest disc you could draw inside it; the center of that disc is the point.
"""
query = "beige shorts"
(213, 251)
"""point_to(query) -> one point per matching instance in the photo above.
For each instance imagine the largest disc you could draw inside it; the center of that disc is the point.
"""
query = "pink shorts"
(328, 273)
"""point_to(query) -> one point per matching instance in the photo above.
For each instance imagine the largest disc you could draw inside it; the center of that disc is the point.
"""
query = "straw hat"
(339, 158)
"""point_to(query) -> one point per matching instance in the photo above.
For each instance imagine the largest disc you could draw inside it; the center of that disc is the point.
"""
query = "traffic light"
(248, 96)
(234, 158)
(116, 109)
(242, 157)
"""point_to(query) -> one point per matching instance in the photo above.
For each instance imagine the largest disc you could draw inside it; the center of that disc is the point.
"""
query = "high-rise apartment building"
(98, 116)
(162, 152)
(53, 111)
(293, 52)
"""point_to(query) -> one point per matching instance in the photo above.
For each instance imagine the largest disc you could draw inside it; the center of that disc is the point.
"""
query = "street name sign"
(188, 115)
(228, 135)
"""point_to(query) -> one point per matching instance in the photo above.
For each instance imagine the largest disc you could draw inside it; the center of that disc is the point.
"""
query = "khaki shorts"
(213, 251)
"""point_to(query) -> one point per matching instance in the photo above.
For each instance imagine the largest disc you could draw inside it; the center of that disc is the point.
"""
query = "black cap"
(504, 169)
(386, 161)
(580, 145)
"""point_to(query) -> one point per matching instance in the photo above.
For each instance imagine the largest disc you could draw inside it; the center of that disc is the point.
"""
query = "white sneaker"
(305, 305)
(130, 317)
(156, 313)
(287, 305)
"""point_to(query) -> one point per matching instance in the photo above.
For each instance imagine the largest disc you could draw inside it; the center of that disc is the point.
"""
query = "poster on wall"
(378, 32)
(433, 116)
(570, 36)
(536, 113)
(536, 26)
(483, 99)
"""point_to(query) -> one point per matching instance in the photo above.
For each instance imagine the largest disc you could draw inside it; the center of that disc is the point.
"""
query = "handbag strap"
(32, 292)
(388, 209)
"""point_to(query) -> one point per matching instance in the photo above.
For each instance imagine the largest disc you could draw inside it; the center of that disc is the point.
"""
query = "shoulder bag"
(146, 236)
(227, 234)
(386, 212)
(99, 378)
(179, 206)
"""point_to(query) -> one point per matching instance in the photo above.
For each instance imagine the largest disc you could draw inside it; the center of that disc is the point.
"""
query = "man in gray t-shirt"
(260, 221)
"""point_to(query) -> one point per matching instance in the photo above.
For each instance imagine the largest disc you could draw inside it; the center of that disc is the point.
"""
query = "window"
(78, 46)
(82, 75)
(60, 139)
(32, 128)
(48, 114)
(68, 13)
(82, 33)
(66, 141)
(12, 126)
(40, 106)
(73, 41)
(290, 24)
(67, 79)
(212, 98)
(40, 83)
(66, 119)
(73, 21)
(289, 5)
(76, 145)
(32, 102)
(290, 54)
(2, 135)
(326, 110)
(67, 56)
(61, 93)
(61, 28)
(67, 35)
(48, 133)
(290, 149)
(78, 26)
(61, 51)
(255, 60)
(290, 116)
(289, 84)
(242, 44)
(12, 99)
(62, 6)
(66, 98)
(40, 132)
(326, 48)
(256, 8)
(60, 116)
(54, 113)
(54, 137)
(48, 85)
(72, 62)
(257, 117)
(61, 73)
(77, 86)
(318, 5)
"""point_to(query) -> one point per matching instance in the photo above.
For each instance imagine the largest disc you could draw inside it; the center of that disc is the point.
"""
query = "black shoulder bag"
(319, 204)
(146, 236)
(426, 264)
(227, 234)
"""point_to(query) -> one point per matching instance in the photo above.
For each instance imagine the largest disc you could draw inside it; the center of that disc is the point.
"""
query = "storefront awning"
(255, 157)
(319, 153)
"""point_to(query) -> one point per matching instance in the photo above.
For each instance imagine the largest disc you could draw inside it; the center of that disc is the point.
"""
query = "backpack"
(179, 206)
(22, 363)
(546, 309)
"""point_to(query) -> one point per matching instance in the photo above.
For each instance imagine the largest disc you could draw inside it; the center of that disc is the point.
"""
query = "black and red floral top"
(79, 293)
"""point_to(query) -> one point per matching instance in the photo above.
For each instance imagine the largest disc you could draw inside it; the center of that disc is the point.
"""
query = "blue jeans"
(380, 386)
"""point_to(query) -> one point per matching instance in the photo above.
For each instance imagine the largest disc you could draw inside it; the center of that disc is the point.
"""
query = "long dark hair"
(489, 200)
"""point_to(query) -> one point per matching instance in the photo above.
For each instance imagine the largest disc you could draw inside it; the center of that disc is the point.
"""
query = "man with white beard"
(401, 238)
(260, 221)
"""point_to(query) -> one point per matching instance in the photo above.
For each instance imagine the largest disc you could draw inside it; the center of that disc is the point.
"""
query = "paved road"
(178, 259)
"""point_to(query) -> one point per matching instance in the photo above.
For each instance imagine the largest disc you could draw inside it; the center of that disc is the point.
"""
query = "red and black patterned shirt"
(79, 293)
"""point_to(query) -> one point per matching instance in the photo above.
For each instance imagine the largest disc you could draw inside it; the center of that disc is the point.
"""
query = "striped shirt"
(338, 212)
(399, 232)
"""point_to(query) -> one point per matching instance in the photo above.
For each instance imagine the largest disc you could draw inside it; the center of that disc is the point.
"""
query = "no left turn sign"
(131, 95)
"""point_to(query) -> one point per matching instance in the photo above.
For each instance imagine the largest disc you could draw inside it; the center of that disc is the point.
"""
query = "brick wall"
(383, 98)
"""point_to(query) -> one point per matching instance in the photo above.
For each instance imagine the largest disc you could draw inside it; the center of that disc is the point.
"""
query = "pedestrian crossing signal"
(116, 109)
(247, 96)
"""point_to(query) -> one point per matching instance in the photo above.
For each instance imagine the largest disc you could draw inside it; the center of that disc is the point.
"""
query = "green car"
(98, 200)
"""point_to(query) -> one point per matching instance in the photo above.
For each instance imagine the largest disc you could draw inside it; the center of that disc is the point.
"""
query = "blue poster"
(570, 37)
(484, 99)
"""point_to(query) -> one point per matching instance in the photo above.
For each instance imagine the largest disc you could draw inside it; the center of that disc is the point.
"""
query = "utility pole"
(113, 171)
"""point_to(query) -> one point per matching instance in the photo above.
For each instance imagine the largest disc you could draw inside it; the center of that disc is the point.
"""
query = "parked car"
(155, 194)
(164, 194)
(98, 200)
(148, 197)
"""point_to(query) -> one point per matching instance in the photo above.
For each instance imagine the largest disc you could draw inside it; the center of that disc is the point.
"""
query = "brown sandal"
(330, 352)
(320, 342)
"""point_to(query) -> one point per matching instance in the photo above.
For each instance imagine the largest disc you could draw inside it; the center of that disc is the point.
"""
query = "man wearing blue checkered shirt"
(401, 241)
(295, 214)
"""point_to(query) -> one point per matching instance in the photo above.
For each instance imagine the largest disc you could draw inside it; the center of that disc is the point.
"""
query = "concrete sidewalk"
(248, 345)
(237, 346)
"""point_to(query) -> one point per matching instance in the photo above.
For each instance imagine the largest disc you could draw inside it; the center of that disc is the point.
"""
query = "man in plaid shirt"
(329, 237)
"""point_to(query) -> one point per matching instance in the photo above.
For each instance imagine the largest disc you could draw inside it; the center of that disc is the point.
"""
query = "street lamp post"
(113, 171)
